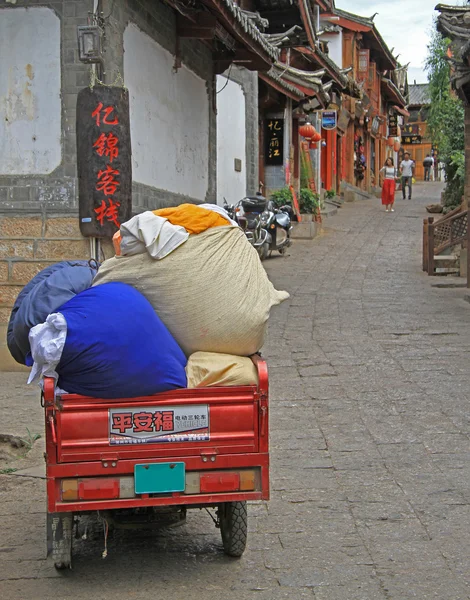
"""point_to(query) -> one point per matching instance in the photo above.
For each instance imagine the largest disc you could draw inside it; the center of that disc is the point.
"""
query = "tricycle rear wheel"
(233, 519)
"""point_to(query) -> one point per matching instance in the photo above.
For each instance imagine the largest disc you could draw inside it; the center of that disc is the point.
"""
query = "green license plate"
(159, 478)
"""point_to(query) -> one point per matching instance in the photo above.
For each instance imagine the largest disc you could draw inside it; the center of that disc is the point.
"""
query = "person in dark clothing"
(428, 164)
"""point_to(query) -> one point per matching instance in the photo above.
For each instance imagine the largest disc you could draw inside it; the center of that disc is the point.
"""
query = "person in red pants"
(388, 184)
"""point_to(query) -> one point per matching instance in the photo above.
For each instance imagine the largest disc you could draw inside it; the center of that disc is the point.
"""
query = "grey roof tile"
(419, 94)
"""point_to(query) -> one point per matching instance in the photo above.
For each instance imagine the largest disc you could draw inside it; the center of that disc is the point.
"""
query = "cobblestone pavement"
(370, 433)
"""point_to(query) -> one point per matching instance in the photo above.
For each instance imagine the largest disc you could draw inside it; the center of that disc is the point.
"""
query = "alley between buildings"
(370, 444)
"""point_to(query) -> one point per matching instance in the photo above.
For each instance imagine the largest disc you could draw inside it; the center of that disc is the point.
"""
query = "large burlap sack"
(212, 292)
(209, 369)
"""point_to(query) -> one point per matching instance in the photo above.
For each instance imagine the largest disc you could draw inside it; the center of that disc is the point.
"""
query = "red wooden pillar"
(329, 159)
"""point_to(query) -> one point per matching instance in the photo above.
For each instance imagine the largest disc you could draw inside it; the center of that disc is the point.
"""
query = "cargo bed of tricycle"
(189, 448)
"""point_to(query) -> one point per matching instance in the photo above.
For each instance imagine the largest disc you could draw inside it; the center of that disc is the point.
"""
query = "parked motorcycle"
(248, 214)
(278, 224)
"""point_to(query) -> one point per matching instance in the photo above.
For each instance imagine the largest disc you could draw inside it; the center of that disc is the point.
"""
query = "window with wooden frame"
(363, 65)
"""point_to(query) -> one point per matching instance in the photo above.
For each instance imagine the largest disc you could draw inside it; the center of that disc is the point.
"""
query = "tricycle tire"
(60, 527)
(233, 520)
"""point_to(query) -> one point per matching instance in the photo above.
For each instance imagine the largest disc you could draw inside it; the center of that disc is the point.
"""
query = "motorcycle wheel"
(283, 250)
(264, 251)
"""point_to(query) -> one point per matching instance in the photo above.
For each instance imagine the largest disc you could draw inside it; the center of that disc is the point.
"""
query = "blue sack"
(117, 347)
(49, 289)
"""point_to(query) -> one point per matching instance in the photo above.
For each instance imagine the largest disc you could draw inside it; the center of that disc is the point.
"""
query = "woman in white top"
(388, 184)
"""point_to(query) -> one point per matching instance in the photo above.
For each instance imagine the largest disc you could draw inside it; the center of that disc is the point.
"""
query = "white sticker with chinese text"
(151, 425)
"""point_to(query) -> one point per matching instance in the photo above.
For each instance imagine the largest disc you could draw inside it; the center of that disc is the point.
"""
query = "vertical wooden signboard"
(274, 139)
(103, 160)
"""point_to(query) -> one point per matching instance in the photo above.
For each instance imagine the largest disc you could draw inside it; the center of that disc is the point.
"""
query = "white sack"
(220, 211)
(47, 342)
(148, 232)
(212, 293)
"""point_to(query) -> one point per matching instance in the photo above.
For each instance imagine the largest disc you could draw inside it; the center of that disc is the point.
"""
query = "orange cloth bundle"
(192, 217)
(117, 237)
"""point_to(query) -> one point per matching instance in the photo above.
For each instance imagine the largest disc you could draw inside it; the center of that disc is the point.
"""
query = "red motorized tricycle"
(135, 459)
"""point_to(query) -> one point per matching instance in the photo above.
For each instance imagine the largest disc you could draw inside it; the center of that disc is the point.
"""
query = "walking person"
(407, 167)
(388, 184)
(428, 164)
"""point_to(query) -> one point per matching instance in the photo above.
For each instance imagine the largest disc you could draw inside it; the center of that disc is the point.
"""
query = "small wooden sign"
(393, 125)
(274, 142)
(103, 160)
(411, 139)
(411, 130)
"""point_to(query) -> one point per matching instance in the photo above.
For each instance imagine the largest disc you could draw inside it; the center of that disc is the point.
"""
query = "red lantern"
(307, 131)
(396, 145)
(390, 142)
(316, 137)
(313, 145)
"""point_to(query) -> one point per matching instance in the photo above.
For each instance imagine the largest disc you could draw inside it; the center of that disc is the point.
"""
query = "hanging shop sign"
(343, 120)
(329, 119)
(393, 125)
(274, 142)
(103, 160)
(411, 139)
(410, 130)
(374, 128)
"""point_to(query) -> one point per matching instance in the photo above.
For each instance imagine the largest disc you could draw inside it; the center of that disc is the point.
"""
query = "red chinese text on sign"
(110, 212)
(107, 182)
(107, 145)
(96, 114)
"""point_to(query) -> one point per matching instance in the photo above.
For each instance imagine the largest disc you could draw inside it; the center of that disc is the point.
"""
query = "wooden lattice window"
(363, 65)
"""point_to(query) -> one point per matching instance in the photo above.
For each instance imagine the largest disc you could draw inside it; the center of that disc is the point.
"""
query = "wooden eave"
(358, 27)
(392, 92)
(316, 57)
(223, 21)
(306, 16)
(290, 91)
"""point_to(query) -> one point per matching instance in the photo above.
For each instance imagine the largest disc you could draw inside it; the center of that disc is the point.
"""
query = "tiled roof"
(250, 28)
(354, 17)
(276, 75)
(419, 94)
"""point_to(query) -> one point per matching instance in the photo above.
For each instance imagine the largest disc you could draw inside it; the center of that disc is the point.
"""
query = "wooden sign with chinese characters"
(411, 130)
(411, 139)
(103, 160)
(274, 136)
(393, 125)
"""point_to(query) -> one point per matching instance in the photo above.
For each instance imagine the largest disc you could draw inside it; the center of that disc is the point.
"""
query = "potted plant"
(282, 197)
(309, 203)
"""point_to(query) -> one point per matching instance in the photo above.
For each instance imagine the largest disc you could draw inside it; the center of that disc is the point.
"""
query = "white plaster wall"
(30, 105)
(231, 141)
(335, 47)
(169, 114)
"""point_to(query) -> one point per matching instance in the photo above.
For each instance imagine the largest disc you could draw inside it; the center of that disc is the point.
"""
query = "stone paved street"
(370, 439)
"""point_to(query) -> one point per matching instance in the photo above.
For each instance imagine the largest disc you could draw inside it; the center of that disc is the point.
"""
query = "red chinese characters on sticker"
(122, 422)
(107, 145)
(144, 422)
